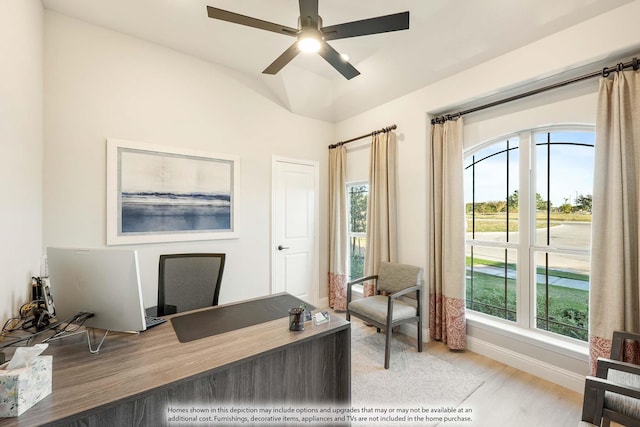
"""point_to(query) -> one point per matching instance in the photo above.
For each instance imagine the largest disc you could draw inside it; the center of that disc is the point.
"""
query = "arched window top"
(581, 132)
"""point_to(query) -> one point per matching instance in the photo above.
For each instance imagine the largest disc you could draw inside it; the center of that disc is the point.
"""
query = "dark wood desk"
(136, 377)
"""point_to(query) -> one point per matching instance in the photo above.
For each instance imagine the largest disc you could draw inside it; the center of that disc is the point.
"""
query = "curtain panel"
(337, 229)
(614, 296)
(447, 312)
(381, 207)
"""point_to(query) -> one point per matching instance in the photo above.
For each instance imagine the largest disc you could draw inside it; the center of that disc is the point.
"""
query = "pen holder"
(296, 319)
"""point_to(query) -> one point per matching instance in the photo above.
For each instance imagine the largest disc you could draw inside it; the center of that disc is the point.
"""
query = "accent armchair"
(385, 309)
(614, 393)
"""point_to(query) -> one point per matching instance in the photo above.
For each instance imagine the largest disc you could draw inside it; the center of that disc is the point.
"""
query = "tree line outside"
(583, 204)
(358, 198)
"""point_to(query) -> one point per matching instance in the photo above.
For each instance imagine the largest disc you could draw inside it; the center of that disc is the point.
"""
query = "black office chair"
(189, 281)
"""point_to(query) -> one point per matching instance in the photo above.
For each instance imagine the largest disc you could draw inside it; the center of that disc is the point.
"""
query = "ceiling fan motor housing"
(311, 36)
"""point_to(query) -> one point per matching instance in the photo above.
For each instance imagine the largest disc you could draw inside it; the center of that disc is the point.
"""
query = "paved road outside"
(553, 280)
(570, 235)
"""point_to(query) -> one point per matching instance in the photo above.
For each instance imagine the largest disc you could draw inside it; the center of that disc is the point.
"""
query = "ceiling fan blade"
(381, 24)
(283, 59)
(309, 12)
(336, 61)
(236, 18)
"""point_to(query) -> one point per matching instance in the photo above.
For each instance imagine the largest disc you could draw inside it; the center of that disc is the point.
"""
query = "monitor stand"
(78, 319)
(97, 349)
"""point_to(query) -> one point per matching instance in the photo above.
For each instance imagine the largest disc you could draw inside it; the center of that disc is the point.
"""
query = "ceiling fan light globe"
(309, 44)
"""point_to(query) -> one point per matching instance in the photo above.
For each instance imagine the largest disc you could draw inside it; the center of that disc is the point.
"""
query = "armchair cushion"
(375, 308)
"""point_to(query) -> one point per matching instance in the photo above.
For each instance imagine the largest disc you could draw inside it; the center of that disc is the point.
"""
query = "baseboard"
(546, 371)
(411, 330)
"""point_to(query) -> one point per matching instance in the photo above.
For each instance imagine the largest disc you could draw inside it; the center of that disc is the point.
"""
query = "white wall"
(21, 142)
(572, 48)
(101, 84)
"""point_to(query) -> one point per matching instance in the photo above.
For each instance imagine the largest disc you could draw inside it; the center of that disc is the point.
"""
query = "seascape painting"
(170, 195)
(147, 211)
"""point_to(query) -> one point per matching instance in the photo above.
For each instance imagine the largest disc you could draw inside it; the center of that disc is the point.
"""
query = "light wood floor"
(508, 396)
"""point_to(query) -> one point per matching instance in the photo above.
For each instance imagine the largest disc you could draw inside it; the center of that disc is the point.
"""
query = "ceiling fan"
(311, 36)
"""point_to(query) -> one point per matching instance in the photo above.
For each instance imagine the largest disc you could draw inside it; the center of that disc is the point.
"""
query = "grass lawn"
(539, 270)
(568, 308)
(498, 221)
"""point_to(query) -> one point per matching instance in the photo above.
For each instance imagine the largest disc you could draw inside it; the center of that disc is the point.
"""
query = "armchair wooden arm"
(604, 364)
(394, 296)
(357, 281)
(607, 385)
(602, 386)
(600, 406)
(405, 291)
(362, 279)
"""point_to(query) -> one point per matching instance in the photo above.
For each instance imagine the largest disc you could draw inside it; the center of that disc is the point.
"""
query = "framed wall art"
(160, 194)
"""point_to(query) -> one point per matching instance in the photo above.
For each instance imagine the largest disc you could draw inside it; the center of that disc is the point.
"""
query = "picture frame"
(162, 194)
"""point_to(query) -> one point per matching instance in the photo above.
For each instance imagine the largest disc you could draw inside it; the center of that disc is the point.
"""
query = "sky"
(571, 169)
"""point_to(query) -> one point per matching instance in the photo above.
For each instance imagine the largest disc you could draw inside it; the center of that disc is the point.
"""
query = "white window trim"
(358, 289)
(524, 328)
(566, 346)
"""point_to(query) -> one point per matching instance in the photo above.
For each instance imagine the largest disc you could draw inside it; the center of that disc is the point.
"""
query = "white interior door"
(295, 229)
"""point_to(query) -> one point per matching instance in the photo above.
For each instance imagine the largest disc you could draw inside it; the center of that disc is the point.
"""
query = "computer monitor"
(105, 282)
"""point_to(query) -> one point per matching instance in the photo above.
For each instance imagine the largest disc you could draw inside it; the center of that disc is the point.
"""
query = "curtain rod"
(375, 132)
(604, 73)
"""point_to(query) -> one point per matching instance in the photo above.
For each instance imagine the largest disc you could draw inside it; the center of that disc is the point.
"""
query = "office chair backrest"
(189, 281)
(394, 277)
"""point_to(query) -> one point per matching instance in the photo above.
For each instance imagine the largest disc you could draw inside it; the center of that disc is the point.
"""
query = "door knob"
(280, 247)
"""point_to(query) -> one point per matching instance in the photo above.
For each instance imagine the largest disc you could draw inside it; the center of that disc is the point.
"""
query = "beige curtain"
(447, 318)
(337, 229)
(381, 208)
(614, 297)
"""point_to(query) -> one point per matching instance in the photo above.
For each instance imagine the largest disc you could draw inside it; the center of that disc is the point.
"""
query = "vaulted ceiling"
(445, 36)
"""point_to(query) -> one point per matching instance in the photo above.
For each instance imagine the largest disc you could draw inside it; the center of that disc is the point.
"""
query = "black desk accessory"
(225, 318)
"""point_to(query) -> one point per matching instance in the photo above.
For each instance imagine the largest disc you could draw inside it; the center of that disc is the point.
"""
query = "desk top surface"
(130, 364)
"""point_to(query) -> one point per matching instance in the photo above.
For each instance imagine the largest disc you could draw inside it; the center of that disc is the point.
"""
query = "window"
(528, 207)
(357, 197)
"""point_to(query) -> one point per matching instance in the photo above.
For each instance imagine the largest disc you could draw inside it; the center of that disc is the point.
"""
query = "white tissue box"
(22, 388)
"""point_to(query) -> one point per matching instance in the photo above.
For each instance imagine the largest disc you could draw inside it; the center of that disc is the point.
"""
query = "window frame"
(526, 247)
(350, 234)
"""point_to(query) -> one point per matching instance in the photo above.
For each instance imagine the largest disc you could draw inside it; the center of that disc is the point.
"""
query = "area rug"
(415, 383)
